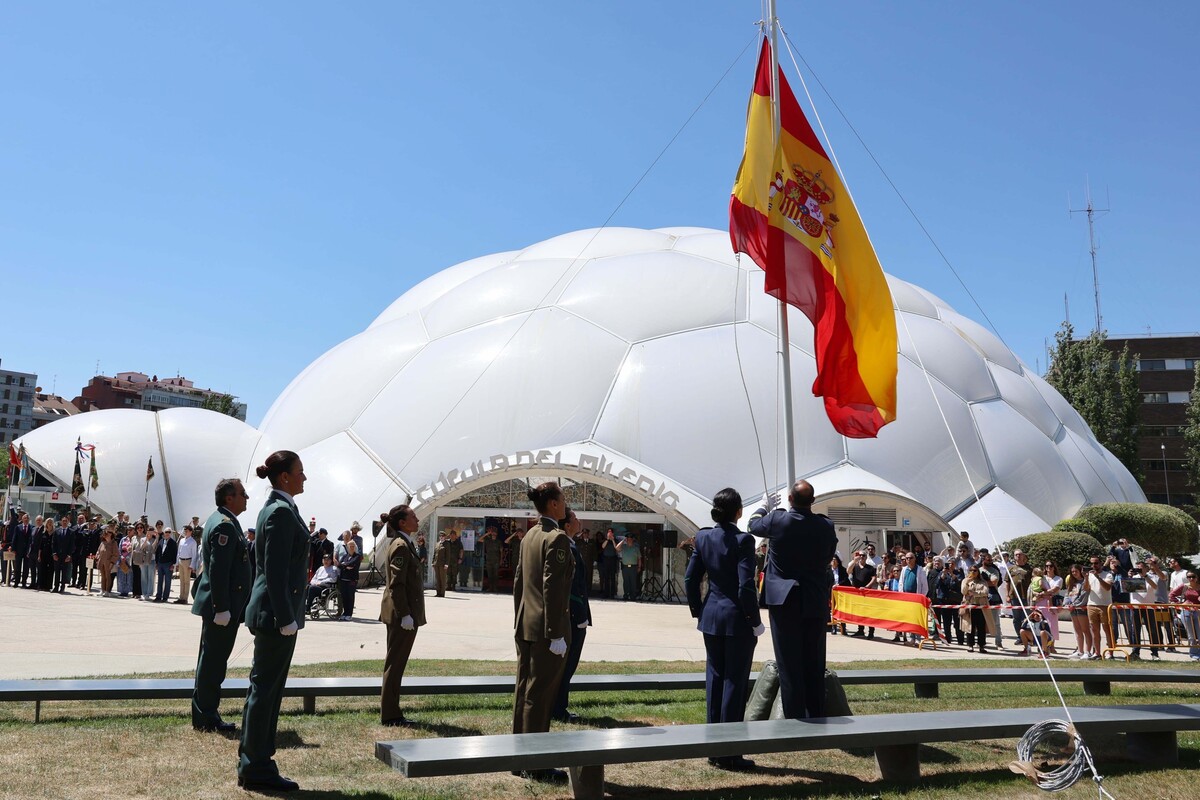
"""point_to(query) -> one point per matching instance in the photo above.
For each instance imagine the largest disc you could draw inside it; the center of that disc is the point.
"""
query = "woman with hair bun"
(274, 614)
(729, 616)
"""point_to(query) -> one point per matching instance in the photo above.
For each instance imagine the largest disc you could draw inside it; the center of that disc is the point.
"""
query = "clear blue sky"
(229, 189)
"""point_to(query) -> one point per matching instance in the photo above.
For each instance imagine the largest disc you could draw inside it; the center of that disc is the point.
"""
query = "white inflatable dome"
(192, 449)
(620, 352)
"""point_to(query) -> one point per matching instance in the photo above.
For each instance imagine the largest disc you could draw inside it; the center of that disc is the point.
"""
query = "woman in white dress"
(1052, 585)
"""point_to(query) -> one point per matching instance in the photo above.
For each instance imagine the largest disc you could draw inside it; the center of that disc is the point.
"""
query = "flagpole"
(785, 347)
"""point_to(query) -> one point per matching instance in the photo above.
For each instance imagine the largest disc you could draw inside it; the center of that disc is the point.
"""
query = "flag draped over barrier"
(793, 216)
(904, 612)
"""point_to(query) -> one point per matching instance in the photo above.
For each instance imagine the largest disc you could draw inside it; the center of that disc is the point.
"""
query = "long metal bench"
(1097, 681)
(1150, 732)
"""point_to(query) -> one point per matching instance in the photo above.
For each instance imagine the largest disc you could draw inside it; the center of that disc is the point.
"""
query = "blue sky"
(230, 189)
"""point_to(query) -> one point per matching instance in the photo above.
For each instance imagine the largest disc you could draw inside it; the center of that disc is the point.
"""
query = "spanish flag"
(791, 213)
(904, 612)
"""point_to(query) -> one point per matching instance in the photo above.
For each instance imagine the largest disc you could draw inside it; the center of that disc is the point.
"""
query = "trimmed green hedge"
(1078, 525)
(1063, 548)
(1161, 529)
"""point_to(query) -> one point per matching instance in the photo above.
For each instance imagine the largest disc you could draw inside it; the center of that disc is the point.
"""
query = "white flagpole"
(785, 349)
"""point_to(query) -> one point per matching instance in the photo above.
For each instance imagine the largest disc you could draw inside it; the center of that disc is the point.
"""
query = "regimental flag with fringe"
(23, 476)
(77, 487)
(149, 469)
(903, 612)
(792, 215)
(94, 473)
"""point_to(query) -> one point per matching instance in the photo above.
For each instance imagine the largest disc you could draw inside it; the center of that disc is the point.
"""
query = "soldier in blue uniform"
(221, 593)
(728, 615)
(797, 589)
(62, 549)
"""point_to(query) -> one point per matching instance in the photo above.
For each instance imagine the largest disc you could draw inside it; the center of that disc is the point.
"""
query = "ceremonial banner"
(93, 473)
(791, 214)
(77, 488)
(149, 469)
(904, 612)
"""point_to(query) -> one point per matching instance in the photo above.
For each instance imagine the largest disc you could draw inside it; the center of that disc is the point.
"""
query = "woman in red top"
(1189, 594)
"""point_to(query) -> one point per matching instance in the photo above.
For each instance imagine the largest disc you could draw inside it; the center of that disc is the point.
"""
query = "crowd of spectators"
(973, 593)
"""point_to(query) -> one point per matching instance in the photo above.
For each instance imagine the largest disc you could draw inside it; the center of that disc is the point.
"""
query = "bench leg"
(587, 783)
(898, 762)
(37, 710)
(1097, 687)
(310, 704)
(926, 691)
(1158, 748)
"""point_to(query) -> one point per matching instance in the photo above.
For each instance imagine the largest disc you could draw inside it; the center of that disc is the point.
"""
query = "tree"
(4, 465)
(1103, 389)
(221, 403)
(1191, 437)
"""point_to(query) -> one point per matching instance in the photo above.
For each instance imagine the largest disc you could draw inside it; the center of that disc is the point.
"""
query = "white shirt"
(876, 560)
(187, 549)
(970, 546)
(1178, 578)
(324, 576)
(1097, 594)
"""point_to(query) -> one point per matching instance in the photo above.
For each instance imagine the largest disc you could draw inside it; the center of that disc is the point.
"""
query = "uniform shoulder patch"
(562, 555)
(222, 539)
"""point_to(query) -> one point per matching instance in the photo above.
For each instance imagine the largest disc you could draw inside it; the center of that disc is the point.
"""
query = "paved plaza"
(61, 636)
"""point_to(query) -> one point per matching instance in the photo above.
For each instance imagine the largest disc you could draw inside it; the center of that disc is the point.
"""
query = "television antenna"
(1091, 212)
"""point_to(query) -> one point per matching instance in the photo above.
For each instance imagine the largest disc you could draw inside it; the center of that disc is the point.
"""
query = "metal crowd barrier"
(1150, 626)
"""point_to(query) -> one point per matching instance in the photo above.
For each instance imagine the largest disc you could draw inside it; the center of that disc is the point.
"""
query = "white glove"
(760, 629)
(558, 646)
(771, 501)
(289, 629)
(222, 618)
(407, 623)
(582, 625)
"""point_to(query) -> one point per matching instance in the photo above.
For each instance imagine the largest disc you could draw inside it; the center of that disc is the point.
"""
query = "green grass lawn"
(118, 748)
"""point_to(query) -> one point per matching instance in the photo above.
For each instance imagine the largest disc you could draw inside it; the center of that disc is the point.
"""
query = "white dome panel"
(1019, 392)
(359, 367)
(1027, 464)
(1126, 483)
(599, 243)
(711, 245)
(998, 518)
(502, 291)
(438, 284)
(947, 358)
(1089, 467)
(1058, 404)
(905, 297)
(917, 452)
(764, 312)
(599, 293)
(983, 340)
(200, 448)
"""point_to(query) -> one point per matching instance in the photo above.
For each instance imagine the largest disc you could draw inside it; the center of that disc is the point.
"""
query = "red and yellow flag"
(903, 612)
(791, 213)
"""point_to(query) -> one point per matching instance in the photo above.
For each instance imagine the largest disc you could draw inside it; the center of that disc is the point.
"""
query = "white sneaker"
(1091, 657)
(1075, 656)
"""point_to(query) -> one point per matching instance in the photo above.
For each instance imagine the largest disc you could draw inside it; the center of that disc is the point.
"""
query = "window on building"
(1154, 397)
(18, 411)
(1190, 363)
(8, 394)
(1152, 364)
(1170, 465)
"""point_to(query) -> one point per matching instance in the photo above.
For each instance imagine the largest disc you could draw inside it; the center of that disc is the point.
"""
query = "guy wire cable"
(1081, 748)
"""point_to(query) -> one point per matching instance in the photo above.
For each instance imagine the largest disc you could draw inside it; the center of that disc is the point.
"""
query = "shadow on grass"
(441, 729)
(290, 740)
(331, 795)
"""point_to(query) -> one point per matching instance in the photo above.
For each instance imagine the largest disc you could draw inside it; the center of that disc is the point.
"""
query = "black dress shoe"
(218, 727)
(545, 775)
(396, 722)
(275, 784)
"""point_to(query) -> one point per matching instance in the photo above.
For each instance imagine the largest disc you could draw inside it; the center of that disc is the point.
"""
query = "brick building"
(150, 393)
(1166, 377)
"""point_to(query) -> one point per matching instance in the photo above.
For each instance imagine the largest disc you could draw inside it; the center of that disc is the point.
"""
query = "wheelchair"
(327, 603)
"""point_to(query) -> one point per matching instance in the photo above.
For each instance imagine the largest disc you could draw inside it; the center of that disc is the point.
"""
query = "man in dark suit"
(221, 594)
(22, 538)
(581, 618)
(402, 608)
(63, 549)
(79, 555)
(797, 590)
(541, 595)
(8, 534)
(164, 559)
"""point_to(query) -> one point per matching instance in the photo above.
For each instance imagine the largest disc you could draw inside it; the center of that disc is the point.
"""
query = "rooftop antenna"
(1091, 212)
(1066, 309)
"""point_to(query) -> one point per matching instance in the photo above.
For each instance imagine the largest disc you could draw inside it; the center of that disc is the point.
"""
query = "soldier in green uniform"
(274, 615)
(402, 608)
(454, 547)
(542, 594)
(491, 559)
(441, 565)
(221, 593)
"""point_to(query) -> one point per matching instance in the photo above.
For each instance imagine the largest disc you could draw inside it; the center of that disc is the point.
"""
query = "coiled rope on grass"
(1069, 773)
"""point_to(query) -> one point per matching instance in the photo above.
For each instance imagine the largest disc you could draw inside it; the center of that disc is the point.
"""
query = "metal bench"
(925, 684)
(1150, 732)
